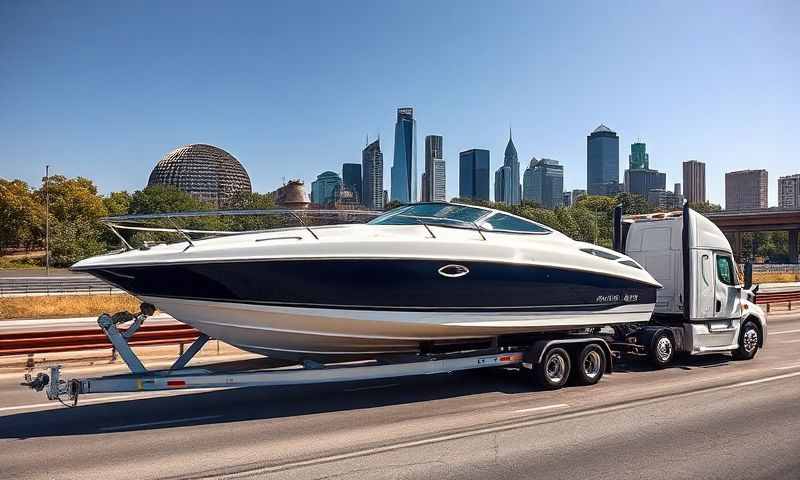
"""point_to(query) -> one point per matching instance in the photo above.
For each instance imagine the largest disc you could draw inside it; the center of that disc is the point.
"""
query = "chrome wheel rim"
(664, 349)
(750, 339)
(555, 368)
(591, 364)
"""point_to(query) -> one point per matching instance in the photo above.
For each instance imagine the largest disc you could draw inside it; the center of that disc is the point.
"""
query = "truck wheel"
(662, 352)
(748, 342)
(553, 371)
(590, 364)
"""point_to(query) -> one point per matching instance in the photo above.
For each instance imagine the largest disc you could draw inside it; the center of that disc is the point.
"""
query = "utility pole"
(47, 219)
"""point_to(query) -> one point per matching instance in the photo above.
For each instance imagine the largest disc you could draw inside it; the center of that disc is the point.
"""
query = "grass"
(17, 262)
(775, 277)
(65, 306)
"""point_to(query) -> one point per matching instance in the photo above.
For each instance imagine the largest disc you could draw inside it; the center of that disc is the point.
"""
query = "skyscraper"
(694, 181)
(473, 174)
(372, 181)
(506, 178)
(602, 162)
(638, 159)
(789, 191)
(324, 188)
(746, 189)
(404, 168)
(544, 183)
(351, 177)
(433, 180)
(639, 178)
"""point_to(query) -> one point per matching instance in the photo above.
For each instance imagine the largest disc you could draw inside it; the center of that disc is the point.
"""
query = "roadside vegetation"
(63, 306)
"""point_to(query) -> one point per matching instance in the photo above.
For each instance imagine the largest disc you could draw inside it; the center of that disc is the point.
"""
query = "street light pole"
(47, 219)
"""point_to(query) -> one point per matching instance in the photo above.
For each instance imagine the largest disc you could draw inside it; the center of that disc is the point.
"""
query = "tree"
(21, 216)
(391, 205)
(117, 203)
(72, 199)
(705, 207)
(165, 199)
(633, 204)
(75, 240)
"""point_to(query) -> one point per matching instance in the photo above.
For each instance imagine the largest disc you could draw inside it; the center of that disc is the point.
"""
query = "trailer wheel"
(662, 351)
(590, 364)
(748, 342)
(553, 371)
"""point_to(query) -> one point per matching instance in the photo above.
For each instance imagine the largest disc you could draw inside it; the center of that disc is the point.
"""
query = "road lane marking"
(252, 472)
(787, 367)
(55, 404)
(545, 407)
(373, 387)
(162, 422)
(763, 380)
(784, 332)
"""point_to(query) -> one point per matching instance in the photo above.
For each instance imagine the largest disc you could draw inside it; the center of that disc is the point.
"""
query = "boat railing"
(189, 225)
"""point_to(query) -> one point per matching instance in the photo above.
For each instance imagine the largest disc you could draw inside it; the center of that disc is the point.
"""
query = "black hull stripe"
(377, 308)
(376, 285)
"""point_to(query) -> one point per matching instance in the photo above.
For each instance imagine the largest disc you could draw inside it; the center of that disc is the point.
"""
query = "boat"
(419, 277)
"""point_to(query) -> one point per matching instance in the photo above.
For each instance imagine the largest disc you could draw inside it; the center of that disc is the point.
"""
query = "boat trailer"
(179, 377)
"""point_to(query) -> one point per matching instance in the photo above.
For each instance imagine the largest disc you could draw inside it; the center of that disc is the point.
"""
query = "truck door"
(704, 285)
(727, 301)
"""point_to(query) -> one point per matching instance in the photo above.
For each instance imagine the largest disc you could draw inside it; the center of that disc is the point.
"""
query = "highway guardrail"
(24, 343)
(770, 298)
(61, 285)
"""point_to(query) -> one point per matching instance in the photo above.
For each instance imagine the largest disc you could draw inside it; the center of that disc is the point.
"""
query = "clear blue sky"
(291, 89)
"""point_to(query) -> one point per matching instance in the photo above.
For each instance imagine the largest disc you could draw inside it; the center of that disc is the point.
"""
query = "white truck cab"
(701, 294)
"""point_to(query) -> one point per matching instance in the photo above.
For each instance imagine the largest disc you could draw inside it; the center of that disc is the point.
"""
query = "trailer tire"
(589, 365)
(662, 349)
(553, 371)
(749, 338)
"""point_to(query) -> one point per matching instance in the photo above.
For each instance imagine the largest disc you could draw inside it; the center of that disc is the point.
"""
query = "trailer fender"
(536, 353)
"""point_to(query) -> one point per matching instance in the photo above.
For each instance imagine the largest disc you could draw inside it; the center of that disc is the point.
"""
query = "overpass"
(735, 223)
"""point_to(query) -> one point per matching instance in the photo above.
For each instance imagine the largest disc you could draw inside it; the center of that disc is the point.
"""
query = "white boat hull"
(296, 333)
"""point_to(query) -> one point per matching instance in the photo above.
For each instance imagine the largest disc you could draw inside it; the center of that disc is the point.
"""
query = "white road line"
(374, 387)
(784, 332)
(55, 404)
(791, 341)
(787, 367)
(162, 422)
(545, 407)
(486, 430)
(763, 380)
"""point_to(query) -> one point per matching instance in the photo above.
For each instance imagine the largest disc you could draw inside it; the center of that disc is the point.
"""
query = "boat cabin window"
(507, 223)
(432, 214)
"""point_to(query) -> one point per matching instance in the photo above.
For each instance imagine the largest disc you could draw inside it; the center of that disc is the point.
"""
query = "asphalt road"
(707, 418)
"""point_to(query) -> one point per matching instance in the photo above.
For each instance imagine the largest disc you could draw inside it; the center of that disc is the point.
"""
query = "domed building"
(206, 172)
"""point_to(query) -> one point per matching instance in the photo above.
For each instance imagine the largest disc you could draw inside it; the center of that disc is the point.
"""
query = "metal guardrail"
(24, 343)
(70, 285)
(769, 298)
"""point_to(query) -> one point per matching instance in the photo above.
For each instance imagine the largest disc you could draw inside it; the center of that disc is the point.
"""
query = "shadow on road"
(260, 403)
(254, 403)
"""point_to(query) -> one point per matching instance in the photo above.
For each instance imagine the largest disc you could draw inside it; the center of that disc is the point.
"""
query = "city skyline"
(106, 102)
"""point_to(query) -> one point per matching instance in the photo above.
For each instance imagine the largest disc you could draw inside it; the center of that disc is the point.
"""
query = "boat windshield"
(432, 214)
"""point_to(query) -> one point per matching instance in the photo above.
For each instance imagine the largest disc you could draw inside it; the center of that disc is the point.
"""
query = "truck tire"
(748, 342)
(662, 350)
(589, 365)
(553, 371)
